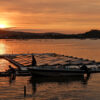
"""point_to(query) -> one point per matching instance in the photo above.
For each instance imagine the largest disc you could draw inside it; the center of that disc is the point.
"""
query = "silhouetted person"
(33, 61)
(85, 68)
(12, 72)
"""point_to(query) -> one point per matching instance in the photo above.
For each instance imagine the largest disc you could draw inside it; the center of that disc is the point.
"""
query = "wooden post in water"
(24, 91)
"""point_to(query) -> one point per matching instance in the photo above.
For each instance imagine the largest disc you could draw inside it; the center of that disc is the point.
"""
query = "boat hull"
(56, 73)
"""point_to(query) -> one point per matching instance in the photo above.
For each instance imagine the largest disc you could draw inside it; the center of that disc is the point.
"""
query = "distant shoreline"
(92, 34)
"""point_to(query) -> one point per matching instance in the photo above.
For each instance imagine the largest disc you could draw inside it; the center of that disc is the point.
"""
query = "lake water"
(51, 89)
(89, 49)
(45, 89)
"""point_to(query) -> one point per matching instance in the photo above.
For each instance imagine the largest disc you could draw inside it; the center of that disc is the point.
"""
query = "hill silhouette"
(92, 34)
(4, 34)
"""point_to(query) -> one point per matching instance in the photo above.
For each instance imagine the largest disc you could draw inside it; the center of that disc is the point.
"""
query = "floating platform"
(24, 61)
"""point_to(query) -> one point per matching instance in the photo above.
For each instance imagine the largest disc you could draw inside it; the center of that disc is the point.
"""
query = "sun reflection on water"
(2, 48)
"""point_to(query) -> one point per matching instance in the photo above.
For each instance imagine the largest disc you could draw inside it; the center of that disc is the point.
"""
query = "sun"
(3, 26)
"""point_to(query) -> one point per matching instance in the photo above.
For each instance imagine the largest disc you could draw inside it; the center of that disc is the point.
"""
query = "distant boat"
(56, 72)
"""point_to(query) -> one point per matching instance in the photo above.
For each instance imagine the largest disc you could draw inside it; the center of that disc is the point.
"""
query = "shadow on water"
(60, 80)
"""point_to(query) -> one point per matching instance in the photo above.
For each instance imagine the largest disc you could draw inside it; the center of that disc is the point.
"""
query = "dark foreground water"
(51, 89)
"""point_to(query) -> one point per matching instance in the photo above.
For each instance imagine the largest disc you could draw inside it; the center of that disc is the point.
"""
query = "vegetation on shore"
(4, 34)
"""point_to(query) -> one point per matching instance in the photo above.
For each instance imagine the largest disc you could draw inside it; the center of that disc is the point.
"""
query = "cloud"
(26, 30)
(50, 14)
(51, 6)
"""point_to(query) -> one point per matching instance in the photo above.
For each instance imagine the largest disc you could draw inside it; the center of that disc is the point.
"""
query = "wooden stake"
(24, 91)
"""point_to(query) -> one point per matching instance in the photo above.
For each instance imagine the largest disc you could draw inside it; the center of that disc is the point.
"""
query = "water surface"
(89, 49)
(40, 89)
(61, 89)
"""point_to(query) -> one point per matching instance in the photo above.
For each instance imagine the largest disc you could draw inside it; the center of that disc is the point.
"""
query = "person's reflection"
(34, 88)
(11, 80)
(85, 79)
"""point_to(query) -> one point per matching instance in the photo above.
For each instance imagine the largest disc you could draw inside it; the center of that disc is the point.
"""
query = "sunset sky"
(66, 16)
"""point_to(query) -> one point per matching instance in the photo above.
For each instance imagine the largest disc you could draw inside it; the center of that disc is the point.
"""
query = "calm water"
(51, 89)
(81, 48)
(48, 89)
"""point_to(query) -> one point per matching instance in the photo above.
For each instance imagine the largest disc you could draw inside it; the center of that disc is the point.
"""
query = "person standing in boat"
(33, 61)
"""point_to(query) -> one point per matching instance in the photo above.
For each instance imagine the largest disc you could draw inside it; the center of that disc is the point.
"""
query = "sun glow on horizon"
(4, 23)
(3, 26)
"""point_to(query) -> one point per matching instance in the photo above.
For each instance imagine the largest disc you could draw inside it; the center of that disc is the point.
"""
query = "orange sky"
(66, 16)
